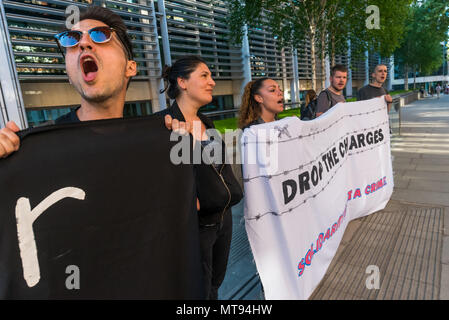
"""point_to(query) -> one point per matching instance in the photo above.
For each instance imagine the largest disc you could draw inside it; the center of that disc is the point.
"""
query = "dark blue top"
(70, 117)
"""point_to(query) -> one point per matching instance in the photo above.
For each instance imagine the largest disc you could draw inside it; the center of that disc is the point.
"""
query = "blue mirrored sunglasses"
(71, 38)
(102, 34)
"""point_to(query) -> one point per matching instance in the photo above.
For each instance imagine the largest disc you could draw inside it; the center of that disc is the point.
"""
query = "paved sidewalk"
(242, 281)
(421, 166)
(408, 241)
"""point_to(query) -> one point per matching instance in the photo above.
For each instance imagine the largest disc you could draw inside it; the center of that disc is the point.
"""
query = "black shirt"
(369, 92)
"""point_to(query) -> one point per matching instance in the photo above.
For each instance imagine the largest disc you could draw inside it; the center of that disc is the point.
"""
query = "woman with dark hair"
(262, 101)
(190, 84)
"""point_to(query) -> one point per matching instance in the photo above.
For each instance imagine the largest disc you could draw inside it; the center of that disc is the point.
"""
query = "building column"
(157, 83)
(246, 62)
(349, 83)
(327, 72)
(284, 75)
(294, 84)
(446, 59)
(391, 74)
(366, 82)
(12, 107)
(164, 31)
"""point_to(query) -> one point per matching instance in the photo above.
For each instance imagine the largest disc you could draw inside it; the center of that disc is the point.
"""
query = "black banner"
(97, 210)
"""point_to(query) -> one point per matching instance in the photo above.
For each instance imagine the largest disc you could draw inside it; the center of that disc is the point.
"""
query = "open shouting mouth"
(89, 68)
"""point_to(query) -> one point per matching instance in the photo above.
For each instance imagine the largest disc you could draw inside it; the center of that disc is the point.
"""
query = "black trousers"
(215, 242)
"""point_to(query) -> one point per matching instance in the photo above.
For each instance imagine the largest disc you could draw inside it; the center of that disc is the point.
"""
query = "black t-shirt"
(70, 117)
(257, 121)
(369, 92)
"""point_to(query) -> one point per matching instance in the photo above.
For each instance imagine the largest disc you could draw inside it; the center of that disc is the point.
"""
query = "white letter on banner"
(25, 218)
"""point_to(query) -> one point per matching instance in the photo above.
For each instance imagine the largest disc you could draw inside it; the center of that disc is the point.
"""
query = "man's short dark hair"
(338, 67)
(113, 20)
(377, 65)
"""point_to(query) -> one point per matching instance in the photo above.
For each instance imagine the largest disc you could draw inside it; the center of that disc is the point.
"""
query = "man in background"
(375, 88)
(334, 93)
(438, 90)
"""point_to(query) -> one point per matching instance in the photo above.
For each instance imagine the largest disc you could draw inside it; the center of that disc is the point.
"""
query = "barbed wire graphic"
(261, 215)
(300, 167)
(316, 132)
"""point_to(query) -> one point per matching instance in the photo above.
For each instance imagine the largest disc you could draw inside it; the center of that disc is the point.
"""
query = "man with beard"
(96, 47)
(375, 88)
(334, 94)
(91, 63)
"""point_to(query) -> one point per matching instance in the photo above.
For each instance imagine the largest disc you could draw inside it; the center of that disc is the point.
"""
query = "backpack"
(309, 112)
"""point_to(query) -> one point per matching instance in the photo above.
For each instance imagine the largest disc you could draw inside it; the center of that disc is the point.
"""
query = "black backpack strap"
(312, 107)
(329, 97)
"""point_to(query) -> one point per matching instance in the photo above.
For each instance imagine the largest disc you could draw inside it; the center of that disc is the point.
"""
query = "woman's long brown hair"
(310, 95)
(250, 109)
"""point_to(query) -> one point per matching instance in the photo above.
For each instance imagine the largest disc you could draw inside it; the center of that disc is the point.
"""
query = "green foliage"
(335, 20)
(241, 13)
(398, 92)
(427, 26)
(393, 17)
(290, 113)
(231, 123)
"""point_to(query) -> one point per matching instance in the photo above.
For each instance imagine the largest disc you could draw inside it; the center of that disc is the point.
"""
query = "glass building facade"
(160, 30)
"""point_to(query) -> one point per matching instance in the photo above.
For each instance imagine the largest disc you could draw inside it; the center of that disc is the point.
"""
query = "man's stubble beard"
(381, 83)
(102, 96)
(337, 90)
(99, 98)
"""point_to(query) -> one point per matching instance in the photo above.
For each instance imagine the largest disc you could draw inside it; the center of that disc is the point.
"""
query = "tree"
(427, 26)
(291, 22)
(325, 24)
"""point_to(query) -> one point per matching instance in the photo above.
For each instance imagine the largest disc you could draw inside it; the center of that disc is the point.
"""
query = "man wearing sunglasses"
(99, 62)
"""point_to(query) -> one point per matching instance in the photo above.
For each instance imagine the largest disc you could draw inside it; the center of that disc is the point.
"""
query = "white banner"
(304, 181)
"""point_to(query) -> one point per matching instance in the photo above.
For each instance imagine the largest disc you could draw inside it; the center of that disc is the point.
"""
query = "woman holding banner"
(190, 84)
(262, 100)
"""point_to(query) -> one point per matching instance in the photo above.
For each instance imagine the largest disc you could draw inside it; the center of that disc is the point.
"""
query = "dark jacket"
(217, 188)
(254, 122)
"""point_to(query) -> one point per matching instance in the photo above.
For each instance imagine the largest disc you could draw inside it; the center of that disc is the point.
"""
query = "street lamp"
(445, 60)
